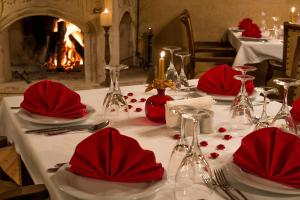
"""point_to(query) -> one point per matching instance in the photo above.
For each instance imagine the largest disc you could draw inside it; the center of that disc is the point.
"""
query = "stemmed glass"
(181, 147)
(171, 73)
(114, 106)
(242, 112)
(283, 118)
(263, 121)
(183, 79)
(189, 183)
(275, 28)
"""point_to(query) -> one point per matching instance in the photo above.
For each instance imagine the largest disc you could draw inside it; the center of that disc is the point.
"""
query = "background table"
(42, 152)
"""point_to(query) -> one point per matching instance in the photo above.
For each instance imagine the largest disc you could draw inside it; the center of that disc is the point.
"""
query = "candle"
(293, 9)
(161, 66)
(105, 18)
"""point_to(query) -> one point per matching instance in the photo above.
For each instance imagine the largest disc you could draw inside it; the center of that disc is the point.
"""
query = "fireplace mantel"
(78, 12)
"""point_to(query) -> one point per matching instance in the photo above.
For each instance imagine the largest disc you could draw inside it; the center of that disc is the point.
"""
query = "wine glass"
(242, 112)
(189, 182)
(114, 106)
(243, 69)
(183, 79)
(263, 121)
(181, 147)
(283, 118)
(275, 30)
(171, 73)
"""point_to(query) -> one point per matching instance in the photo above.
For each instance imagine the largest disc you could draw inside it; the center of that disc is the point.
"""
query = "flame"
(71, 58)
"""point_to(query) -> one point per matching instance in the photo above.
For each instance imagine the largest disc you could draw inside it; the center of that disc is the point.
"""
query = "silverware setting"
(66, 129)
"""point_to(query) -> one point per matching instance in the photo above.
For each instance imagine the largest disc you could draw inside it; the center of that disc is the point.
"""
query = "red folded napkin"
(252, 31)
(108, 155)
(219, 80)
(272, 154)
(295, 111)
(245, 23)
(53, 99)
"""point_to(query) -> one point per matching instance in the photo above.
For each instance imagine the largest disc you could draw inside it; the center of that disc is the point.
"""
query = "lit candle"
(293, 9)
(105, 18)
(161, 66)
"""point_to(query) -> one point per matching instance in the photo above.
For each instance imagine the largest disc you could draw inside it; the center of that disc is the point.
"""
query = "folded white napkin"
(173, 120)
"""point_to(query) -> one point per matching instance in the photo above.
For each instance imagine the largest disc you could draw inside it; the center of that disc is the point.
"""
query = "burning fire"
(70, 58)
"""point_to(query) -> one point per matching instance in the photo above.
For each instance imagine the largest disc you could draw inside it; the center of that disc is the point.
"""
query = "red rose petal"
(129, 106)
(214, 155)
(176, 136)
(112, 110)
(133, 100)
(227, 137)
(221, 147)
(222, 130)
(138, 110)
(203, 143)
(125, 97)
(130, 94)
(126, 110)
(143, 100)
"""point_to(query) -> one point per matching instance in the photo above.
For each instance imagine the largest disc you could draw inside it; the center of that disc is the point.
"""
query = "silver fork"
(211, 183)
(222, 181)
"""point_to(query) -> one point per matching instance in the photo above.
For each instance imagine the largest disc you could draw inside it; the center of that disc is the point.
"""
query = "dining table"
(41, 152)
(254, 50)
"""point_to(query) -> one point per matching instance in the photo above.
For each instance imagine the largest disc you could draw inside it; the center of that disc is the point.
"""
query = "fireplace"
(80, 13)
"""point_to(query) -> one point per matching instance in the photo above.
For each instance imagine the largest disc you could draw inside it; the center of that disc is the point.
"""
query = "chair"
(221, 52)
(10, 189)
(289, 66)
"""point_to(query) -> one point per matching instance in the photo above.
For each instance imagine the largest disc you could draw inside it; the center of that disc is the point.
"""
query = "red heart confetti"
(130, 94)
(203, 143)
(138, 110)
(227, 137)
(143, 100)
(133, 100)
(221, 147)
(176, 136)
(214, 155)
(129, 106)
(222, 130)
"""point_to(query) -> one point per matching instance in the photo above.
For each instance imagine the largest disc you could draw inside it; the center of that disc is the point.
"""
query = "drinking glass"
(243, 69)
(114, 106)
(183, 79)
(242, 112)
(263, 121)
(181, 147)
(171, 73)
(276, 28)
(283, 118)
(189, 182)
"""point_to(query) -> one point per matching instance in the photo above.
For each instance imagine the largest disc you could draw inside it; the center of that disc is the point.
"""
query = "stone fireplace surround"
(78, 12)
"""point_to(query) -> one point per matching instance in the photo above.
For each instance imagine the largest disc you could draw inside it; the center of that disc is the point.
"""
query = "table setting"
(159, 141)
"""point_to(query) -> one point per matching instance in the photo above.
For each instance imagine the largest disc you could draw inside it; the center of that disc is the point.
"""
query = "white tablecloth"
(249, 52)
(42, 152)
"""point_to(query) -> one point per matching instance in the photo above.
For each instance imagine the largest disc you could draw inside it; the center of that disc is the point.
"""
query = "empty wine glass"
(242, 112)
(283, 118)
(171, 73)
(181, 147)
(114, 106)
(276, 28)
(263, 121)
(189, 182)
(183, 79)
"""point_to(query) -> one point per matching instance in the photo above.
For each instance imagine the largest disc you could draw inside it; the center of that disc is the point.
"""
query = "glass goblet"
(114, 106)
(283, 118)
(189, 183)
(181, 147)
(183, 79)
(242, 112)
(171, 73)
(263, 121)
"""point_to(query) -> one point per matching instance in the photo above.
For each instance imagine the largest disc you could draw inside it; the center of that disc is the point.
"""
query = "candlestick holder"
(106, 82)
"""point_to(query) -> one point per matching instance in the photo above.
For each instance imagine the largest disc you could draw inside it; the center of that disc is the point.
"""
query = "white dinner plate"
(220, 97)
(93, 189)
(258, 182)
(252, 39)
(40, 119)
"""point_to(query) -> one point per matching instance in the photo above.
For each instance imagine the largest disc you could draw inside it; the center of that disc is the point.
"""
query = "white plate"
(224, 97)
(40, 119)
(93, 189)
(253, 39)
(258, 182)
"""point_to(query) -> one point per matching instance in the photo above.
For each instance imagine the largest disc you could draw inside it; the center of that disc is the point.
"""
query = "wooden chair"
(289, 66)
(221, 52)
(10, 167)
